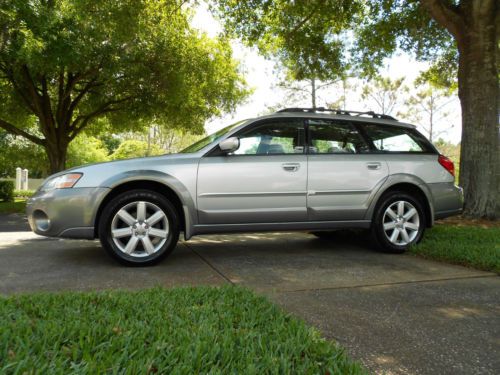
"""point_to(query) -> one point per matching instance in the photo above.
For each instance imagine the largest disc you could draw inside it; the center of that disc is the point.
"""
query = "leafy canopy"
(323, 38)
(65, 63)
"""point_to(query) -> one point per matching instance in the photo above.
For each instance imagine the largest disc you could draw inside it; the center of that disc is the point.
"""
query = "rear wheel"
(139, 227)
(399, 222)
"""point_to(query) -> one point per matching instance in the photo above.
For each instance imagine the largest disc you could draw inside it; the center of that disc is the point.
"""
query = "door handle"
(374, 166)
(290, 167)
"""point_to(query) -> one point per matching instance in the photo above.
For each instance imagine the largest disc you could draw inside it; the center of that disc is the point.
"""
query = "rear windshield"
(386, 138)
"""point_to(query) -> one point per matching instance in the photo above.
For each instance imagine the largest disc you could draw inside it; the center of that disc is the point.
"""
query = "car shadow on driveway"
(32, 263)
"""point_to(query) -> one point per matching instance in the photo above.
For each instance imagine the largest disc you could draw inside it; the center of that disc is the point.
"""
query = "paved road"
(396, 313)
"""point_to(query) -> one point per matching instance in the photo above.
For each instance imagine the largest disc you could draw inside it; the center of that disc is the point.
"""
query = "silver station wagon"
(297, 169)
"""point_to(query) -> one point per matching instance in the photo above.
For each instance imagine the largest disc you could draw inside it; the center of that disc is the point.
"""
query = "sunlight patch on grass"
(471, 246)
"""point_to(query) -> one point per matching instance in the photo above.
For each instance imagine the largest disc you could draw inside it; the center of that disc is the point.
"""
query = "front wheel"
(139, 227)
(399, 222)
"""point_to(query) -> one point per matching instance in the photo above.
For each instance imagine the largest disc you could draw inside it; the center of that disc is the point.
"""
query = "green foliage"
(427, 107)
(6, 191)
(387, 26)
(452, 151)
(69, 64)
(23, 193)
(18, 205)
(226, 330)
(110, 141)
(19, 152)
(472, 246)
(443, 72)
(307, 36)
(86, 150)
(318, 39)
(133, 148)
(385, 92)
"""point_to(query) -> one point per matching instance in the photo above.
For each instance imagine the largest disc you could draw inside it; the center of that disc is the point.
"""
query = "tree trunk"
(56, 153)
(313, 92)
(479, 98)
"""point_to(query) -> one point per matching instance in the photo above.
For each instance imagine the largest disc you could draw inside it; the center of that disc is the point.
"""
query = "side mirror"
(229, 144)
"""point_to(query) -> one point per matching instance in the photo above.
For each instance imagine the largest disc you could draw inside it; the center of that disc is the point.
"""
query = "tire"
(145, 225)
(393, 232)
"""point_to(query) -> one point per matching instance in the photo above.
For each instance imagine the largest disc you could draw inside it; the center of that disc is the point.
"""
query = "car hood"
(131, 164)
(135, 162)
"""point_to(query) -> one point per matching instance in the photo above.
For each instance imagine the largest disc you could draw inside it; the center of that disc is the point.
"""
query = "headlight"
(65, 181)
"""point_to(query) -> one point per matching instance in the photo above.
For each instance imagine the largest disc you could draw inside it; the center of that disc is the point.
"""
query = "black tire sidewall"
(377, 229)
(119, 202)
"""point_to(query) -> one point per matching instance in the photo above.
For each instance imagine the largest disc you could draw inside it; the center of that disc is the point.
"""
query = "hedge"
(6, 191)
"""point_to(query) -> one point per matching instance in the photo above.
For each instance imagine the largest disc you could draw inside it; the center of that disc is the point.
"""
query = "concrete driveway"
(395, 313)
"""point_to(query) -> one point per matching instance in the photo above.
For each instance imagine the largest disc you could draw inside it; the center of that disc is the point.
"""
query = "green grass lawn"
(17, 206)
(472, 246)
(184, 330)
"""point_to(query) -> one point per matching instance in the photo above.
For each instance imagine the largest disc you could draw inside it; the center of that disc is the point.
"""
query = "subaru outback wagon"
(297, 169)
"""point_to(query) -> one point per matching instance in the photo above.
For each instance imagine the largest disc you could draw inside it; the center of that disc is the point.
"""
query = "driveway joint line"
(387, 284)
(204, 259)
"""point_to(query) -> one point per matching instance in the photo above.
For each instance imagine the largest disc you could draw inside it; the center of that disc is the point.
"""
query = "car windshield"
(195, 147)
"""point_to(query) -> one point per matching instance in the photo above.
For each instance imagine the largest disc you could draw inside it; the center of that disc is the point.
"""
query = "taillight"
(447, 164)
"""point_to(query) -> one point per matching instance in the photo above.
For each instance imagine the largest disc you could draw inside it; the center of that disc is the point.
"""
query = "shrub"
(6, 191)
(23, 193)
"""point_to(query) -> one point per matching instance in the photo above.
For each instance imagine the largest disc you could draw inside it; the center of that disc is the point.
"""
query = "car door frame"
(350, 202)
(215, 152)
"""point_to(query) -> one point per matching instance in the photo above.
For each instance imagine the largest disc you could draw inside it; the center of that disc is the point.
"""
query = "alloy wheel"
(401, 223)
(140, 229)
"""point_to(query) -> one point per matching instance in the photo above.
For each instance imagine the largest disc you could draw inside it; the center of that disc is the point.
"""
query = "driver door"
(263, 181)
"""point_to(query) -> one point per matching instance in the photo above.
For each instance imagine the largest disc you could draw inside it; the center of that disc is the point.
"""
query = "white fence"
(33, 183)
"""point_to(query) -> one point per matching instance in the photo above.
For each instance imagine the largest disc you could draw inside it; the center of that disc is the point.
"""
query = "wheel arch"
(182, 203)
(409, 185)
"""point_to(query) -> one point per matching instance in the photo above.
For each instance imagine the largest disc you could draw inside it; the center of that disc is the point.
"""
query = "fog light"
(42, 221)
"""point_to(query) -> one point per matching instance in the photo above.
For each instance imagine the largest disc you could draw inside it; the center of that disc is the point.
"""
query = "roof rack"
(339, 112)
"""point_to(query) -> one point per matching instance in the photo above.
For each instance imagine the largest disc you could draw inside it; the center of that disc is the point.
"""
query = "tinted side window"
(395, 139)
(334, 137)
(277, 137)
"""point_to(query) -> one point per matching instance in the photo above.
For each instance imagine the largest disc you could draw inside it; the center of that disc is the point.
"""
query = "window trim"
(428, 147)
(215, 151)
(357, 125)
(336, 122)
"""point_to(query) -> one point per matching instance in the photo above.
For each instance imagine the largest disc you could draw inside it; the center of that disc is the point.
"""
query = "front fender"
(182, 192)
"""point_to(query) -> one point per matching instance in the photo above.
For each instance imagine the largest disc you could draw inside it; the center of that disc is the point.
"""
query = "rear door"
(264, 181)
(342, 174)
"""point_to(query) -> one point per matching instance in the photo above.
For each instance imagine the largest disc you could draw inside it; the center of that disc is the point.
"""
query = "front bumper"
(66, 213)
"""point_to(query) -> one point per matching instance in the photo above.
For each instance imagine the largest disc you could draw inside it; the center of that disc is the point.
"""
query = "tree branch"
(15, 130)
(83, 120)
(90, 84)
(46, 103)
(447, 15)
(9, 75)
(303, 21)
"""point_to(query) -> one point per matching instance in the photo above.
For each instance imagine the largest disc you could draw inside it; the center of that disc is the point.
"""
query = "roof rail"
(338, 112)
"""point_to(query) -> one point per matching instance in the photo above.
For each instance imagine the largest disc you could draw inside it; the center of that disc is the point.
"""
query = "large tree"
(428, 107)
(65, 64)
(386, 93)
(365, 32)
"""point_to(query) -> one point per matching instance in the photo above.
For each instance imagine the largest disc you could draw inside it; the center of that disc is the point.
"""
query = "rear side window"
(334, 137)
(395, 139)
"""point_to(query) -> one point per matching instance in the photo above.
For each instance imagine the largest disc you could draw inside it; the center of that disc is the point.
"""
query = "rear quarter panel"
(424, 171)
(423, 166)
